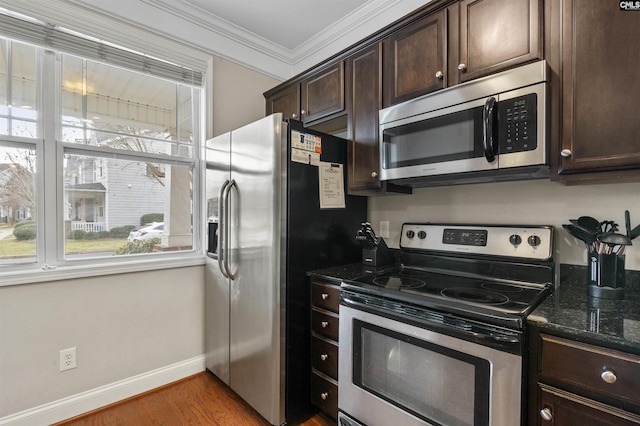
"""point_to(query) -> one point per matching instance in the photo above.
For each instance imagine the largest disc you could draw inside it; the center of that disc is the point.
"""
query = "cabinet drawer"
(324, 357)
(325, 296)
(325, 324)
(565, 408)
(324, 394)
(596, 371)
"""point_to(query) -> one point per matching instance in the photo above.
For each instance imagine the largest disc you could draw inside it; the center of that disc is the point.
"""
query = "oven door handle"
(489, 339)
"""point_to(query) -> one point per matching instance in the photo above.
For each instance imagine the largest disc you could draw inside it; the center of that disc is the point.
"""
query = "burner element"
(501, 288)
(396, 282)
(478, 295)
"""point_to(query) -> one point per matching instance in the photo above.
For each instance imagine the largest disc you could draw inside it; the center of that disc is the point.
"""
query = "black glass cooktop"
(424, 287)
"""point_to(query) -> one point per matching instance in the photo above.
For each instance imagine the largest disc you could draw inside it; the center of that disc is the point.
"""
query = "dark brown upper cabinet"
(414, 59)
(495, 35)
(467, 40)
(322, 94)
(286, 101)
(598, 68)
(363, 102)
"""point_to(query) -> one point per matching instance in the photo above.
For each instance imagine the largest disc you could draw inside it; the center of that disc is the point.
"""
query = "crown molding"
(194, 35)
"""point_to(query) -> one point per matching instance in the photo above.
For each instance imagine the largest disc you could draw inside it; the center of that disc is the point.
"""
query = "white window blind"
(60, 39)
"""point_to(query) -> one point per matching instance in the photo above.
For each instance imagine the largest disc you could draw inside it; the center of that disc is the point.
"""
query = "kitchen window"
(99, 151)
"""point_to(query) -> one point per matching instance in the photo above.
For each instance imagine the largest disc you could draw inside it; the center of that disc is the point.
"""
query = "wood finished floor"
(201, 399)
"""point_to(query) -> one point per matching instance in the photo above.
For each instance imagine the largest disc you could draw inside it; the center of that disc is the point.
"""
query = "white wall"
(538, 202)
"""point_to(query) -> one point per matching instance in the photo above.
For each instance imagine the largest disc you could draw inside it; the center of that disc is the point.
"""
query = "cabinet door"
(497, 34)
(600, 87)
(414, 59)
(286, 101)
(363, 89)
(562, 409)
(322, 94)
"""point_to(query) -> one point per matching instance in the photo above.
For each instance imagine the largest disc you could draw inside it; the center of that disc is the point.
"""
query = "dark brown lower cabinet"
(325, 304)
(562, 408)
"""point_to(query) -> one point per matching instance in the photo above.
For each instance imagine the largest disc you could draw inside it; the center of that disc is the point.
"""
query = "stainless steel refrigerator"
(277, 208)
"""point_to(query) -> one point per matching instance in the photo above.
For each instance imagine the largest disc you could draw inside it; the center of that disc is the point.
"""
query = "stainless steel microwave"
(490, 129)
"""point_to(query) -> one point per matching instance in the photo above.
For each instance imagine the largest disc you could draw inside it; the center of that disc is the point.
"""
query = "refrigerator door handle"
(227, 238)
(221, 228)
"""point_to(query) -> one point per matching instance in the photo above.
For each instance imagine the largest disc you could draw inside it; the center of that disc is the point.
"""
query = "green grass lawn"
(10, 247)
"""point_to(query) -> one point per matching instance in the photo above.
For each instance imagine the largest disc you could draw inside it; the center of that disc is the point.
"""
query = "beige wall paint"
(237, 95)
(121, 325)
(538, 202)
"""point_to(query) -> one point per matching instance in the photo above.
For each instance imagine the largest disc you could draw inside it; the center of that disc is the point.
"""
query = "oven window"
(455, 136)
(437, 384)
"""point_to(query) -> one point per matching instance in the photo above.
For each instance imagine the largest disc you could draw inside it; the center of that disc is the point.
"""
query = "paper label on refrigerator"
(300, 156)
(306, 142)
(314, 159)
(331, 185)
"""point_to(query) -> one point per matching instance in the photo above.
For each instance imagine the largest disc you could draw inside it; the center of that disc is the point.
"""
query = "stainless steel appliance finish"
(440, 339)
(493, 128)
(256, 291)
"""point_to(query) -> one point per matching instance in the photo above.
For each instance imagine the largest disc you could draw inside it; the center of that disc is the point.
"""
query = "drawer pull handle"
(325, 296)
(324, 395)
(324, 357)
(545, 413)
(324, 324)
(609, 376)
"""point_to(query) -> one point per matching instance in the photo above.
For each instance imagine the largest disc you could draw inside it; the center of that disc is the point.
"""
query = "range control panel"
(529, 242)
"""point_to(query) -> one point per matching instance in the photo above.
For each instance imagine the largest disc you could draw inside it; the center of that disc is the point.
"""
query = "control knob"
(410, 234)
(515, 239)
(534, 241)
(422, 235)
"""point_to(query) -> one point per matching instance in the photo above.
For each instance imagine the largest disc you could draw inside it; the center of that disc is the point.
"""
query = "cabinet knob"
(324, 395)
(546, 414)
(374, 174)
(325, 296)
(294, 115)
(303, 112)
(565, 153)
(324, 357)
(609, 376)
(324, 324)
(462, 67)
(439, 75)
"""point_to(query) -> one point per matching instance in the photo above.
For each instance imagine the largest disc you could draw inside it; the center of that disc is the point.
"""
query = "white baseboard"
(99, 397)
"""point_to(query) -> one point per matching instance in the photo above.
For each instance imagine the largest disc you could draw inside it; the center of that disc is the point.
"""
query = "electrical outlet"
(384, 228)
(68, 359)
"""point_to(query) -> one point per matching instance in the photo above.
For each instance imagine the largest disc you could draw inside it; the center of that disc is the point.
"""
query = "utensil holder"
(379, 255)
(606, 276)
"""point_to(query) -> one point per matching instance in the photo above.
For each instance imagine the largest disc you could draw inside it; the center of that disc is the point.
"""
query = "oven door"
(393, 373)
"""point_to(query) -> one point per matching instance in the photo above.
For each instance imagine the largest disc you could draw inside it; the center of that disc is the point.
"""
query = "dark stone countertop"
(346, 272)
(569, 312)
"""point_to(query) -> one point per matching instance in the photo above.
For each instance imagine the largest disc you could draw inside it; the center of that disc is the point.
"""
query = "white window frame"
(50, 257)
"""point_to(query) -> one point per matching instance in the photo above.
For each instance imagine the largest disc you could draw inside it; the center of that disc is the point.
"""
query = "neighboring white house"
(101, 194)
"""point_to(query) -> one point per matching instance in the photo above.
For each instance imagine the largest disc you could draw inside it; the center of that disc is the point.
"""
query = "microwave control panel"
(517, 118)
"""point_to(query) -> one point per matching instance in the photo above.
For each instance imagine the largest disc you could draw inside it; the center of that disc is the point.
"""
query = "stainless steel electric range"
(440, 339)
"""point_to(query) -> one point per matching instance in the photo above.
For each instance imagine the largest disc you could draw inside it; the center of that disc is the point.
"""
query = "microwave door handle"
(489, 137)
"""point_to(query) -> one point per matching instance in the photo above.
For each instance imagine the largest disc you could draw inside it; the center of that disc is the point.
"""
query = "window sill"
(84, 271)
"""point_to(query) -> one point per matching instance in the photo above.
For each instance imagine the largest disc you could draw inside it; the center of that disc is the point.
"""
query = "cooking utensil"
(583, 235)
(627, 223)
(635, 232)
(608, 226)
(613, 243)
(589, 223)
